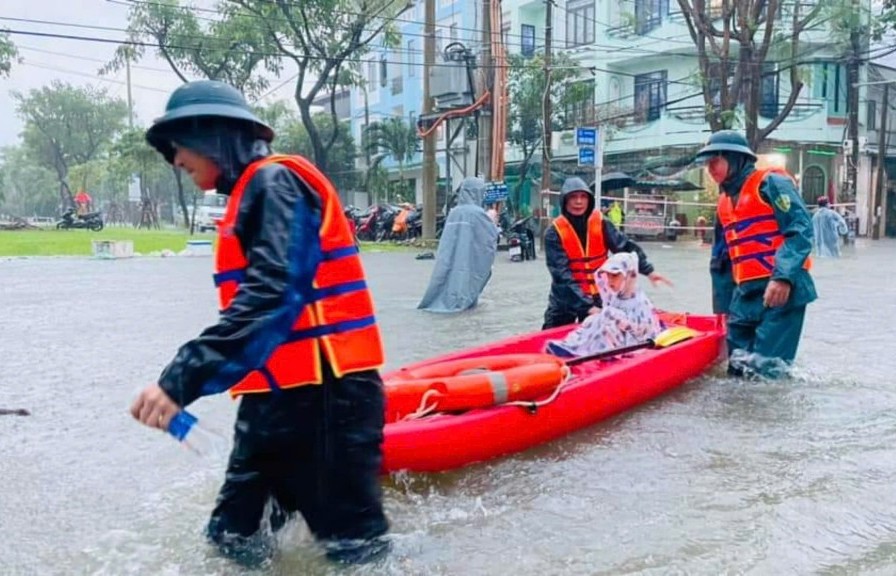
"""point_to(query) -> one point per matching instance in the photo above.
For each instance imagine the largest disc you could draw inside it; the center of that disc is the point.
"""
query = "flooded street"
(719, 477)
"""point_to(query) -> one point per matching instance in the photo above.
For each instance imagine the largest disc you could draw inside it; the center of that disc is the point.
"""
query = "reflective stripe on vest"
(751, 230)
(337, 323)
(583, 261)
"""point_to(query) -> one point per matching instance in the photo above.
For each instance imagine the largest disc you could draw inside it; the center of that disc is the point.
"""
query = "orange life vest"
(337, 324)
(751, 230)
(583, 262)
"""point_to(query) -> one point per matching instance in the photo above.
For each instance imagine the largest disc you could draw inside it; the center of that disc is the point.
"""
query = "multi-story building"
(394, 85)
(642, 65)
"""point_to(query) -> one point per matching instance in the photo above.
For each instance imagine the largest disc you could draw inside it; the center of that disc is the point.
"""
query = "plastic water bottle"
(185, 428)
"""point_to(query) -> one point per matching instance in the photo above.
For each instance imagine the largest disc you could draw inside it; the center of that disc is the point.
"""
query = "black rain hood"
(232, 145)
(579, 223)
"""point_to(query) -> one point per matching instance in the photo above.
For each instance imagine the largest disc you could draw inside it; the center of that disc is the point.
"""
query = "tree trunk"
(317, 145)
(182, 201)
(65, 193)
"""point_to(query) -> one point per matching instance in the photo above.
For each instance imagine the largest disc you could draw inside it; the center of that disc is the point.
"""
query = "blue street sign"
(495, 192)
(586, 136)
(586, 156)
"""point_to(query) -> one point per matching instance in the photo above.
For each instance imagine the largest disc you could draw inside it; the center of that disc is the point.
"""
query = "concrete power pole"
(486, 117)
(127, 64)
(852, 96)
(429, 141)
(881, 188)
(546, 100)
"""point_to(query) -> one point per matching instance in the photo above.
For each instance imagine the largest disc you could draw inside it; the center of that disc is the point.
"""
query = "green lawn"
(78, 242)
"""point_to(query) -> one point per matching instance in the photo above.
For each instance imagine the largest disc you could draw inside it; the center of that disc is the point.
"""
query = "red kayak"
(425, 434)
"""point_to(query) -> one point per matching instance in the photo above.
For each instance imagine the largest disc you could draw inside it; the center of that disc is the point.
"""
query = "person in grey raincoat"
(575, 246)
(760, 257)
(466, 253)
(829, 226)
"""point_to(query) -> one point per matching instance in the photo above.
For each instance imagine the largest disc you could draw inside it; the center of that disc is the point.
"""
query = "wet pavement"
(719, 477)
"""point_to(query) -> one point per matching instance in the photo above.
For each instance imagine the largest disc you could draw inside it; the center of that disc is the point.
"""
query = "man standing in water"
(575, 246)
(296, 339)
(760, 258)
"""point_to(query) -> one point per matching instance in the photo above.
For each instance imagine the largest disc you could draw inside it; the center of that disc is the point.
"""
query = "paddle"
(664, 339)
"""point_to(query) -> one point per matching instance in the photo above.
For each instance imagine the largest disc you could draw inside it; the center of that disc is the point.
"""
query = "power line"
(92, 76)
(87, 59)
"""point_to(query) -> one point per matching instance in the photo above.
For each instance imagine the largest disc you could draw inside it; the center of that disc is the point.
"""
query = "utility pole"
(487, 116)
(546, 99)
(852, 105)
(127, 64)
(880, 189)
(365, 140)
(429, 141)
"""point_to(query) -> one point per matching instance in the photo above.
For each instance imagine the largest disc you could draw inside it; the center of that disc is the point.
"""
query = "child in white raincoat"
(627, 317)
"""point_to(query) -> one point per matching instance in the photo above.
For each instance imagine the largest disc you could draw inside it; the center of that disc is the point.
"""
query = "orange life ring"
(468, 383)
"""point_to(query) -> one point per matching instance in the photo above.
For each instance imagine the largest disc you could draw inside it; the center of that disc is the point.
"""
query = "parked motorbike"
(367, 223)
(521, 240)
(90, 220)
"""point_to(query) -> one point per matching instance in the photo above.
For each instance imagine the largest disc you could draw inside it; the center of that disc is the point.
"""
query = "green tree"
(132, 156)
(525, 89)
(395, 138)
(292, 138)
(739, 43)
(29, 188)
(66, 126)
(884, 21)
(325, 40)
(8, 54)
(230, 49)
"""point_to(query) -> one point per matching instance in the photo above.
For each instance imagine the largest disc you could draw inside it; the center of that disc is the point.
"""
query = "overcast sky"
(77, 62)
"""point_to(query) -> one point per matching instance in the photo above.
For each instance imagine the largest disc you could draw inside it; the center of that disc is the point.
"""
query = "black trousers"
(312, 450)
(558, 315)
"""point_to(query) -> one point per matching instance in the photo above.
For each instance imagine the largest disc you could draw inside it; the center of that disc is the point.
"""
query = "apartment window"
(649, 14)
(371, 73)
(650, 95)
(527, 43)
(768, 91)
(714, 8)
(412, 58)
(871, 121)
(579, 22)
(453, 32)
(579, 109)
(383, 71)
(830, 85)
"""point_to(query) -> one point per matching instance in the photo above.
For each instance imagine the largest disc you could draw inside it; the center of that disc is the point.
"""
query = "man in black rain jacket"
(568, 301)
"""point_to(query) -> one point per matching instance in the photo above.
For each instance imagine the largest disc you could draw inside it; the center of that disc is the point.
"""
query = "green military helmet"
(724, 141)
(203, 99)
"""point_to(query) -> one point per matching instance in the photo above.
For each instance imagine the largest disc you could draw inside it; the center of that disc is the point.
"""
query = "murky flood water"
(718, 477)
